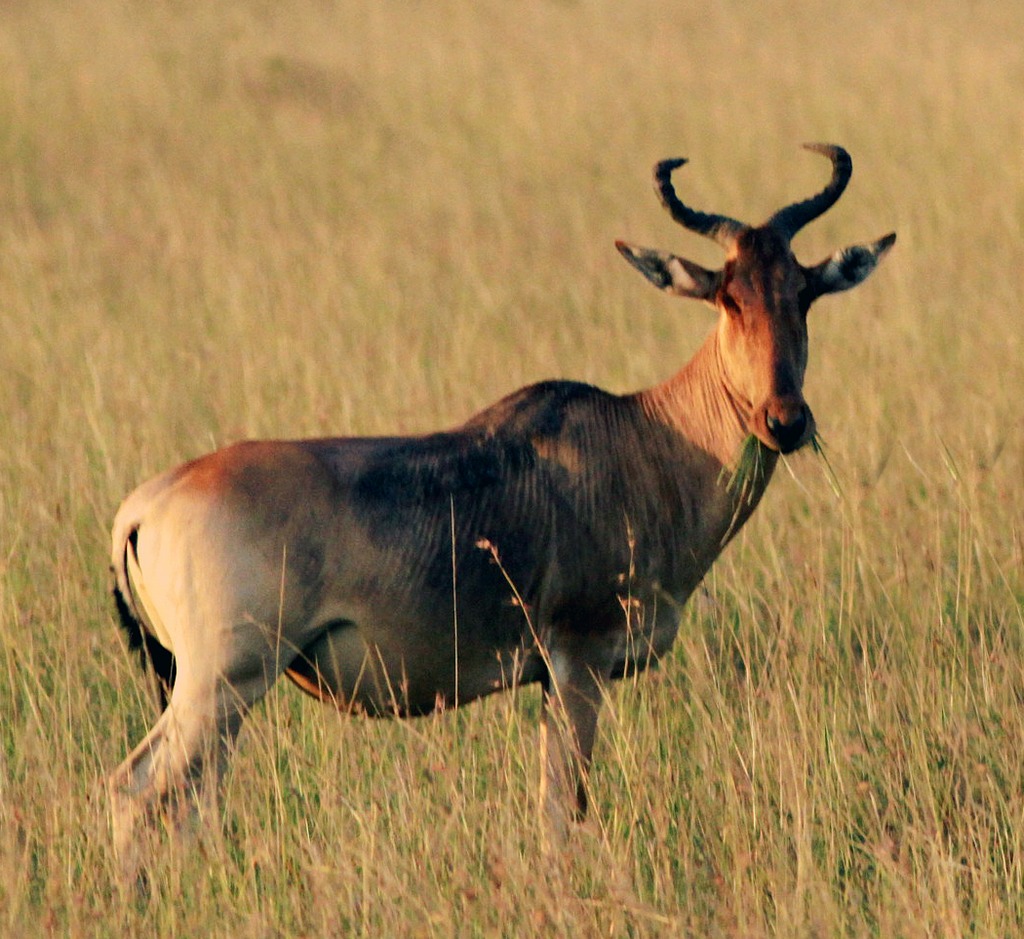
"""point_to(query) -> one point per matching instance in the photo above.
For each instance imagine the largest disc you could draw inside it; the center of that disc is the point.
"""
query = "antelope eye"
(730, 304)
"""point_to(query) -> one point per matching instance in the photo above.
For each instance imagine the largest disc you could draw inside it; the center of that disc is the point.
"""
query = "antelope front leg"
(568, 725)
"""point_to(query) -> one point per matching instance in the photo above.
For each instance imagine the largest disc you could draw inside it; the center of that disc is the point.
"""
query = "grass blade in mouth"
(747, 476)
(748, 473)
(745, 482)
(818, 445)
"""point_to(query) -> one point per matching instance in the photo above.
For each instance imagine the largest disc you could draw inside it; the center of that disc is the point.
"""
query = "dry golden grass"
(254, 219)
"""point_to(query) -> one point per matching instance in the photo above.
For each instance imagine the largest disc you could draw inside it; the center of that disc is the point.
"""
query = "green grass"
(248, 219)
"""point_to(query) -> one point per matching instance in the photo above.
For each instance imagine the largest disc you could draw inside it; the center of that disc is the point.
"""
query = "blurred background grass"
(258, 219)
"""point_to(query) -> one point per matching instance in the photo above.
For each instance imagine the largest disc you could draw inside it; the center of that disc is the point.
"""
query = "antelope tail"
(129, 599)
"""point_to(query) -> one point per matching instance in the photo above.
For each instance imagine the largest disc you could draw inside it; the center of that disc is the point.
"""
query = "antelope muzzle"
(785, 423)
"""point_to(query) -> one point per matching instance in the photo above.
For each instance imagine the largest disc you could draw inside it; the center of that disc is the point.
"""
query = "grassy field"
(256, 219)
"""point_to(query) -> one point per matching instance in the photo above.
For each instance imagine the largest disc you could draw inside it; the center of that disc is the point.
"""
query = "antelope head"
(762, 295)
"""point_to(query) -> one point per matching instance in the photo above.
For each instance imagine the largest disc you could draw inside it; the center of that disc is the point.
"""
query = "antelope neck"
(699, 403)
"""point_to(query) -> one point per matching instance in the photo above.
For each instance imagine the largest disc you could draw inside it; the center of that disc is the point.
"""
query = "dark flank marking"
(488, 451)
(540, 410)
(437, 467)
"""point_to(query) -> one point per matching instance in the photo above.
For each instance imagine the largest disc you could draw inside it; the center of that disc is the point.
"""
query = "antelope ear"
(674, 275)
(846, 268)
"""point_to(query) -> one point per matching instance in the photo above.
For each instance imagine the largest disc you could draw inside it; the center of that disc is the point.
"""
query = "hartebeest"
(551, 538)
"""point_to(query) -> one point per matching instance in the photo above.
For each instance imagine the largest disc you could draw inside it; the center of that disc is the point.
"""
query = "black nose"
(789, 435)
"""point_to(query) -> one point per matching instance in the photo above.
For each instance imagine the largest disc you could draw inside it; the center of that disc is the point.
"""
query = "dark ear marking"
(846, 268)
(648, 263)
(672, 274)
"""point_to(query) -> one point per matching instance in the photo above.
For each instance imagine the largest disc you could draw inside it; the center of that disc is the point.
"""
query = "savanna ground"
(260, 219)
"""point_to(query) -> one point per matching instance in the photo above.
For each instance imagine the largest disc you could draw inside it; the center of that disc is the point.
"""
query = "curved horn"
(721, 228)
(792, 218)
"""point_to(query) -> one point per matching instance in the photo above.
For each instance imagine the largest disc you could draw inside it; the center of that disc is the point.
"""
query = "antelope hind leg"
(175, 770)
